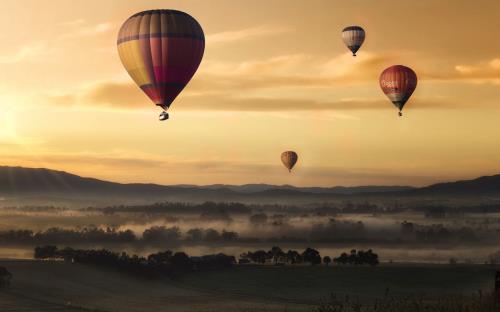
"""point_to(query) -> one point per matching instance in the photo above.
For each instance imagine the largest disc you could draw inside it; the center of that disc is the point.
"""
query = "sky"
(275, 76)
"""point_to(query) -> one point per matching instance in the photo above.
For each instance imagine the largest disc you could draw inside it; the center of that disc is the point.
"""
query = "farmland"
(59, 286)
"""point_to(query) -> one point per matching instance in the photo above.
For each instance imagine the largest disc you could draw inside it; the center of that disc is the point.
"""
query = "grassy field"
(57, 286)
(306, 284)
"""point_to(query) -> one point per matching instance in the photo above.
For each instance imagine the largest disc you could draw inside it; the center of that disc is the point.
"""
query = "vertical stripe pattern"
(289, 159)
(353, 37)
(161, 50)
(398, 82)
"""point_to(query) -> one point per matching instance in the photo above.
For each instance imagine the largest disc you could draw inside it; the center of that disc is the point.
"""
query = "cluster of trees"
(359, 257)
(333, 231)
(166, 263)
(277, 256)
(211, 235)
(36, 209)
(176, 208)
(435, 233)
(337, 229)
(58, 235)
(311, 256)
(152, 235)
(5, 277)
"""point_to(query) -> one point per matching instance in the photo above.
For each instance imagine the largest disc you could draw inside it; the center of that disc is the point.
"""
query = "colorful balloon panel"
(289, 159)
(161, 50)
(398, 83)
(353, 37)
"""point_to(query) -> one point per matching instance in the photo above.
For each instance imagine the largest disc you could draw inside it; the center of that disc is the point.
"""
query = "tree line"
(332, 231)
(152, 235)
(309, 256)
(165, 263)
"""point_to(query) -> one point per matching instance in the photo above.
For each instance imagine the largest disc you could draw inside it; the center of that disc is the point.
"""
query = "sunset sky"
(275, 76)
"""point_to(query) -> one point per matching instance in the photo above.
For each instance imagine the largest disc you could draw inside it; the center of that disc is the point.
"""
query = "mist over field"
(433, 234)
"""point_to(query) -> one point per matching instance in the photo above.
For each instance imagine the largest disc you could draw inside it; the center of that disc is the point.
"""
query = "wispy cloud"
(277, 84)
(246, 34)
(37, 50)
(487, 71)
(87, 30)
(28, 52)
(74, 22)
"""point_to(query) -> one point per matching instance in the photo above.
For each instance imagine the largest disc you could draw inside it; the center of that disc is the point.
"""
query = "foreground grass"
(389, 304)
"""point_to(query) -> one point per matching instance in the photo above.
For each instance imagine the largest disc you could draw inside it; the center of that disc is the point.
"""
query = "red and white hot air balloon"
(353, 37)
(398, 82)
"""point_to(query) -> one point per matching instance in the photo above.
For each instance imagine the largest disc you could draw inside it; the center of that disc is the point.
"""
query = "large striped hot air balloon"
(289, 159)
(353, 37)
(161, 50)
(398, 82)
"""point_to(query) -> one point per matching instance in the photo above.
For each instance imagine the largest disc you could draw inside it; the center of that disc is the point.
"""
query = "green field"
(57, 286)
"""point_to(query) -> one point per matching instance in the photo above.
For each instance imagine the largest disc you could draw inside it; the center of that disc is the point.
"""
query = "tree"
(312, 256)
(212, 235)
(260, 218)
(181, 261)
(358, 258)
(327, 260)
(343, 259)
(259, 256)
(194, 234)
(229, 236)
(292, 257)
(45, 252)
(277, 254)
(160, 258)
(161, 233)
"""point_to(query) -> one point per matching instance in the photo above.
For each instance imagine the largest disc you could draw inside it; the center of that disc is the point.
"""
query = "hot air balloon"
(161, 50)
(353, 37)
(398, 82)
(289, 159)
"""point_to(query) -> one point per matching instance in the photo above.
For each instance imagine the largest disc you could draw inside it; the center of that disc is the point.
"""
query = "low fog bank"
(424, 233)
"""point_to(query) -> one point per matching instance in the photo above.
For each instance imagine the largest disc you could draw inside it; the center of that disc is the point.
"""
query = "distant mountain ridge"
(261, 187)
(20, 182)
(481, 186)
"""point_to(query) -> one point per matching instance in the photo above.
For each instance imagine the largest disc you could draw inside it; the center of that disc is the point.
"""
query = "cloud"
(39, 50)
(489, 70)
(84, 31)
(277, 84)
(245, 85)
(128, 96)
(104, 94)
(29, 52)
(481, 72)
(74, 22)
(245, 34)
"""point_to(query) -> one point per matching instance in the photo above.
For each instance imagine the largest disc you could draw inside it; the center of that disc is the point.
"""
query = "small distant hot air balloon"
(289, 159)
(161, 50)
(353, 37)
(398, 82)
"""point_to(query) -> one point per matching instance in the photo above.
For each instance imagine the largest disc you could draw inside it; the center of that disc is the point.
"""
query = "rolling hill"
(40, 183)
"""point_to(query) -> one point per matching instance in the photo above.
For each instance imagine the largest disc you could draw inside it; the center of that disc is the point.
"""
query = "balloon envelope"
(289, 159)
(353, 37)
(161, 50)
(398, 82)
